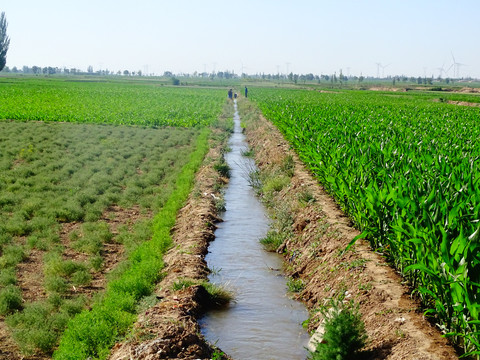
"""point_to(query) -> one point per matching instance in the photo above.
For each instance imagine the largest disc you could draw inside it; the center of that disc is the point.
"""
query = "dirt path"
(395, 325)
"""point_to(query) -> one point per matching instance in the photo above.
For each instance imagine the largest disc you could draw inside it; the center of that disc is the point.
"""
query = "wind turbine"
(379, 65)
(378, 69)
(383, 69)
(456, 67)
(441, 70)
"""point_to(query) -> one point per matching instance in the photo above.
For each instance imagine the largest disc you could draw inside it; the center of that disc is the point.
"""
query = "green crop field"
(405, 167)
(113, 102)
(89, 169)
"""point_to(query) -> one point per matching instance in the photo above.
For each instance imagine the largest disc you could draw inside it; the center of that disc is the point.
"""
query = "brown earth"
(464, 103)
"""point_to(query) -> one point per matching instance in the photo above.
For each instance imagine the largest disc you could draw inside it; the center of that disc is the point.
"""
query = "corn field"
(405, 168)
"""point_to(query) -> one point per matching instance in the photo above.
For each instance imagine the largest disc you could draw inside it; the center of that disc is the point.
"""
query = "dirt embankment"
(393, 320)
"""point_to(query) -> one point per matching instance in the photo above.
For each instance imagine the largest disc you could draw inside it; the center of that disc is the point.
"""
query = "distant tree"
(126, 72)
(4, 40)
(90, 69)
(168, 74)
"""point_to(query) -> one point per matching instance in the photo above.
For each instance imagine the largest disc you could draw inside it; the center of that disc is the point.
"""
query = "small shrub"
(288, 166)
(344, 335)
(222, 168)
(81, 277)
(56, 284)
(10, 299)
(12, 255)
(275, 184)
(306, 197)
(219, 295)
(8, 277)
(96, 262)
(272, 240)
(295, 285)
(37, 328)
(183, 284)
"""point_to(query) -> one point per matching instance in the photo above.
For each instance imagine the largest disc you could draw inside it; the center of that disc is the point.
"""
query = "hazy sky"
(411, 37)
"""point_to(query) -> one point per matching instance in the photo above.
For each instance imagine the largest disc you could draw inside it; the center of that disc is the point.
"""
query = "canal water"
(263, 322)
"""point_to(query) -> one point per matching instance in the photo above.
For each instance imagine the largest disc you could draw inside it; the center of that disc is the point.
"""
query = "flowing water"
(263, 322)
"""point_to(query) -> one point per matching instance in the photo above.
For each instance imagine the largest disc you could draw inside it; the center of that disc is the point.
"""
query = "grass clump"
(295, 285)
(222, 168)
(10, 299)
(273, 240)
(38, 326)
(218, 295)
(344, 334)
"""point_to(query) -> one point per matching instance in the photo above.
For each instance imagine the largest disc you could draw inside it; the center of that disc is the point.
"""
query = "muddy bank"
(313, 253)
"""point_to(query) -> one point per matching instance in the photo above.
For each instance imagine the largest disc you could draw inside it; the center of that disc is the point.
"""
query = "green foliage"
(288, 166)
(182, 284)
(218, 295)
(275, 184)
(295, 285)
(344, 335)
(92, 333)
(4, 40)
(8, 277)
(10, 299)
(222, 168)
(406, 171)
(273, 240)
(115, 102)
(38, 326)
(12, 255)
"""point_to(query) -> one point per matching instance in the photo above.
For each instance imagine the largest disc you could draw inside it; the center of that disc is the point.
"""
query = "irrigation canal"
(263, 322)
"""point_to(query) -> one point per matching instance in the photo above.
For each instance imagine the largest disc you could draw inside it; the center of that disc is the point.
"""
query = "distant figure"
(246, 92)
(230, 93)
(235, 95)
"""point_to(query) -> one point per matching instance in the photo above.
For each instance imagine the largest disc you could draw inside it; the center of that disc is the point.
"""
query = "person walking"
(230, 93)
(246, 92)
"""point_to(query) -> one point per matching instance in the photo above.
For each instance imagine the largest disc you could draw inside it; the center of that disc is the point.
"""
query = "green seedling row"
(406, 169)
(112, 102)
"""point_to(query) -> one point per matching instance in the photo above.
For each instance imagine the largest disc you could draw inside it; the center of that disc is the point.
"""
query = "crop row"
(138, 103)
(406, 170)
(63, 190)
